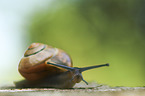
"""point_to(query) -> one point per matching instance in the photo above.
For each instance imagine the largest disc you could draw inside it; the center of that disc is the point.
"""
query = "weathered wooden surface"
(79, 90)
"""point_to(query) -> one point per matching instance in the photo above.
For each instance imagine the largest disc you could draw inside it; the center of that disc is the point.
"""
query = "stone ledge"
(79, 90)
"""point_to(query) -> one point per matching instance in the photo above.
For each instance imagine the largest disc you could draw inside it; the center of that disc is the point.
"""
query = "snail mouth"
(78, 78)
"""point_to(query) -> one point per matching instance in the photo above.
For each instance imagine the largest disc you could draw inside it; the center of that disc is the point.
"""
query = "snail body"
(45, 66)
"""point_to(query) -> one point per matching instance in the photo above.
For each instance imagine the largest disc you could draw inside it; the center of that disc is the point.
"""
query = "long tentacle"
(92, 67)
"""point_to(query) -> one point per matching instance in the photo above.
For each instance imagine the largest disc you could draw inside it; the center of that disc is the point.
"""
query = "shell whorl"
(36, 54)
(34, 48)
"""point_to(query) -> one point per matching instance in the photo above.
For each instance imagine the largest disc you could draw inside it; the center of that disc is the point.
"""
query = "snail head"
(77, 76)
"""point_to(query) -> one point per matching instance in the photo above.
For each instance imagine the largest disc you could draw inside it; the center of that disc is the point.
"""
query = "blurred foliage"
(96, 32)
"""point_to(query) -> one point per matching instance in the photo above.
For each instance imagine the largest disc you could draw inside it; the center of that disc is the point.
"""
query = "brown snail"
(45, 66)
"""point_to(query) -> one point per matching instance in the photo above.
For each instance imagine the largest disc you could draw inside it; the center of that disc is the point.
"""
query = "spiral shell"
(33, 66)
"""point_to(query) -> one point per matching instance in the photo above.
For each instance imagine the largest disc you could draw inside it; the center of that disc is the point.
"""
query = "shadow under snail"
(45, 66)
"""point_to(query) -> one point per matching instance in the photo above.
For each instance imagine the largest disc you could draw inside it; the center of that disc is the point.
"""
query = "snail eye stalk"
(92, 67)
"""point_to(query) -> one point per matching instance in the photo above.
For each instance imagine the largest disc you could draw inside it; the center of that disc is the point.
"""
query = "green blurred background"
(92, 32)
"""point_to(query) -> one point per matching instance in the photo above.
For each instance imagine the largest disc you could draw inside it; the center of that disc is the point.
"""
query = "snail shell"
(33, 65)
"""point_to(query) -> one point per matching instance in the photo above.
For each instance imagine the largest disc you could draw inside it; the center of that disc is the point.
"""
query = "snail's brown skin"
(45, 66)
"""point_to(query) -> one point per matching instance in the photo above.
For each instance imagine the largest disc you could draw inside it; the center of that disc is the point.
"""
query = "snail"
(44, 66)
